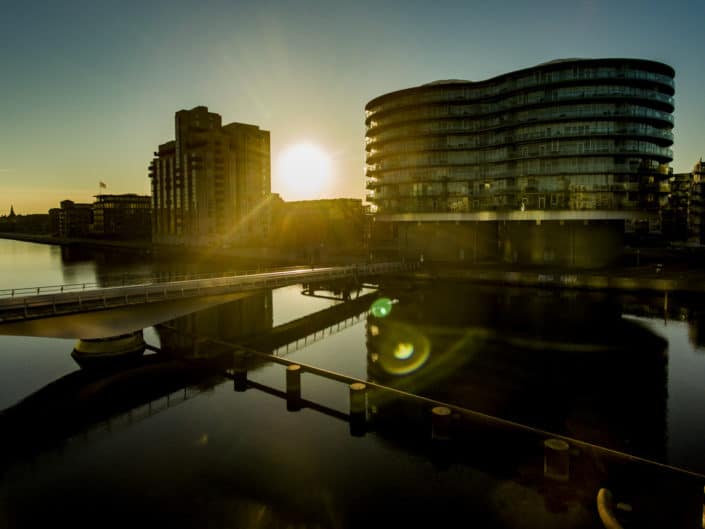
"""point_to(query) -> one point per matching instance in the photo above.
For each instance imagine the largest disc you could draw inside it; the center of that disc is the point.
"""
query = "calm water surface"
(158, 444)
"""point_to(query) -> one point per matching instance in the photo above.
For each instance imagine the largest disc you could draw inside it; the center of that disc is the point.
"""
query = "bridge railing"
(125, 280)
(39, 303)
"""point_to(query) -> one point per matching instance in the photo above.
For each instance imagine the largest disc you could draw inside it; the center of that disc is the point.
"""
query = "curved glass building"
(548, 164)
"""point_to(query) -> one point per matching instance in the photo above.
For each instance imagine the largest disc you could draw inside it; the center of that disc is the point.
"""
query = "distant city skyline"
(90, 89)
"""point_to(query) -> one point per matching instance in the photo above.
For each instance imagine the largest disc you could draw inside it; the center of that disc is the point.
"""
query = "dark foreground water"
(172, 440)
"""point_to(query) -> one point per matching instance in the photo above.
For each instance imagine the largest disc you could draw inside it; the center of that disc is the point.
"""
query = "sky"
(88, 89)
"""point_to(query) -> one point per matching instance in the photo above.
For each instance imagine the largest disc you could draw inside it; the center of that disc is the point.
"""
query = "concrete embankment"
(262, 255)
(140, 246)
(625, 279)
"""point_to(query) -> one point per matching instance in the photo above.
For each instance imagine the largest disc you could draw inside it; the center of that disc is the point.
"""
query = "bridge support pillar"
(358, 409)
(239, 371)
(293, 387)
(111, 351)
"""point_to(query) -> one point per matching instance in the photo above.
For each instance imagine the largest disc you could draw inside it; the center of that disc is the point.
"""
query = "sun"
(303, 172)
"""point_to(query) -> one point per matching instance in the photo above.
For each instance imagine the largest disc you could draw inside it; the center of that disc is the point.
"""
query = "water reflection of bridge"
(88, 403)
(249, 322)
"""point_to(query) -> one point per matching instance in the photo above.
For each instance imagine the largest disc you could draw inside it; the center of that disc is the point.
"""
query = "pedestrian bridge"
(21, 304)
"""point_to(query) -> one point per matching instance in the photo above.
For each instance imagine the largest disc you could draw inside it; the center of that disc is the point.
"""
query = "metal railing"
(122, 280)
(42, 302)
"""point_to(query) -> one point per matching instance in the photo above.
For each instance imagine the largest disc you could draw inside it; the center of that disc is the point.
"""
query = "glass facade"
(565, 135)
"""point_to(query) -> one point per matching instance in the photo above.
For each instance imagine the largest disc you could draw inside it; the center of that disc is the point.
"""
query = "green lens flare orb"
(381, 307)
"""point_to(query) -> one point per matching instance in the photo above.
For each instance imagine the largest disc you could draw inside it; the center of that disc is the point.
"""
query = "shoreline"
(262, 255)
(668, 277)
(647, 278)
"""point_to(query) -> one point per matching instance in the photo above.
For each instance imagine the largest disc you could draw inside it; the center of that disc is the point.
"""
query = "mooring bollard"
(440, 423)
(239, 372)
(556, 459)
(358, 409)
(293, 387)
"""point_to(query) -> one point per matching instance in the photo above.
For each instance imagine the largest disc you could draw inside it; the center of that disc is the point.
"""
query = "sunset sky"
(89, 88)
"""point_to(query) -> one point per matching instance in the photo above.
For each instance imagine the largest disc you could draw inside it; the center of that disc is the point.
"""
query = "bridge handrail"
(176, 280)
(125, 280)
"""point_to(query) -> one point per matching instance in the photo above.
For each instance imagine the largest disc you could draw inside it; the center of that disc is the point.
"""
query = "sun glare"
(303, 172)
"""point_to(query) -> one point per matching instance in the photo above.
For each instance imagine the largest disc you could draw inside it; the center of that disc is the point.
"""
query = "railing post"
(556, 459)
(358, 409)
(239, 371)
(293, 387)
(440, 423)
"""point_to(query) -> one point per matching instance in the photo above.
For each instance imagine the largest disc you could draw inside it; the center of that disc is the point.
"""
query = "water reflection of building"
(565, 362)
(230, 322)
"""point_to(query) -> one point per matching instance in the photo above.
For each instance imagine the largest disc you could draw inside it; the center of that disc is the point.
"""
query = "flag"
(102, 185)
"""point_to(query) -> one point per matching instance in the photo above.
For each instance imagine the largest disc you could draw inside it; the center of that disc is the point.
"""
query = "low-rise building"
(127, 216)
(696, 211)
(315, 227)
(36, 223)
(71, 219)
(675, 214)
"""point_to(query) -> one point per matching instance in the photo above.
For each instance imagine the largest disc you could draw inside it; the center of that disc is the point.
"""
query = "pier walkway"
(45, 301)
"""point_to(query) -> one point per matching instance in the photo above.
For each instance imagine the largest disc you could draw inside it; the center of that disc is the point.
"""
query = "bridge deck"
(41, 305)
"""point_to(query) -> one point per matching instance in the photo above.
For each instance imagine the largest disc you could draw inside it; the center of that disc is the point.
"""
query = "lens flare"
(404, 351)
(398, 348)
(381, 307)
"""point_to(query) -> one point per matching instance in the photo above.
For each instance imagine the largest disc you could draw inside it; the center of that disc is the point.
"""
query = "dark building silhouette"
(36, 223)
(682, 217)
(125, 216)
(71, 219)
(674, 217)
(696, 205)
(549, 164)
(318, 227)
(210, 185)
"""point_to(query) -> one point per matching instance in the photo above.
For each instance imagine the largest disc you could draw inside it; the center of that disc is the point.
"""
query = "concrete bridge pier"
(109, 351)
